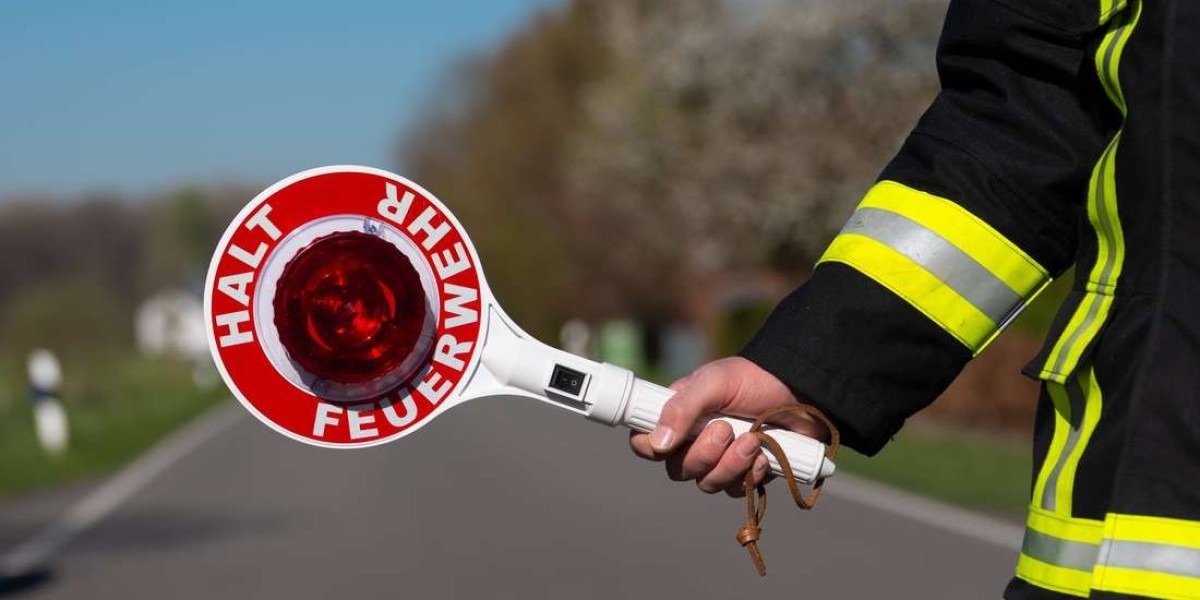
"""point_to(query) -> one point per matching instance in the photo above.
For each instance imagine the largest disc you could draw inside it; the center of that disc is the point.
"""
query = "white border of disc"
(486, 302)
(264, 306)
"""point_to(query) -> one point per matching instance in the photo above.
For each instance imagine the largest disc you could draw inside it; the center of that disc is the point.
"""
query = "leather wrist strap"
(756, 496)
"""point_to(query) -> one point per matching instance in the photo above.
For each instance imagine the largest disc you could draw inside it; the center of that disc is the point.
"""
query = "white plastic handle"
(806, 455)
(611, 395)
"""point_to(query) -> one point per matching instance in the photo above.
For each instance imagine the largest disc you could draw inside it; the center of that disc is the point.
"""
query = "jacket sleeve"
(978, 211)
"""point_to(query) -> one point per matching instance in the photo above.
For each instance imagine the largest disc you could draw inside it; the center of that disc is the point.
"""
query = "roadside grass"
(123, 407)
(971, 470)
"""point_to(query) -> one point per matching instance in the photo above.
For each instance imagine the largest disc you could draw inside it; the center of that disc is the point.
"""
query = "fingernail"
(662, 437)
(747, 446)
(720, 435)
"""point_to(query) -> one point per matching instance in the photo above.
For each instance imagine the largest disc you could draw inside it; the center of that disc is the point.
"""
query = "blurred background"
(644, 180)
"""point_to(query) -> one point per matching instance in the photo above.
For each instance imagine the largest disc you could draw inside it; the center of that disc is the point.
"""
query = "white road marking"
(35, 551)
(929, 512)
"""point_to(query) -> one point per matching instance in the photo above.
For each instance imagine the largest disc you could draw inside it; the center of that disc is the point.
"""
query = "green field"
(970, 470)
(115, 412)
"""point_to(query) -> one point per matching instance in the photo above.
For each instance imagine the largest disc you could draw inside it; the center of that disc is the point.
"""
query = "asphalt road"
(503, 500)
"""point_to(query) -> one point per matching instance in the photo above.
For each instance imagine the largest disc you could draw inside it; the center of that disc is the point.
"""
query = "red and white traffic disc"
(344, 252)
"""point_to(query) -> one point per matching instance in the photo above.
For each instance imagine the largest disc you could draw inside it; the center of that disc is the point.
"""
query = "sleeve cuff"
(862, 355)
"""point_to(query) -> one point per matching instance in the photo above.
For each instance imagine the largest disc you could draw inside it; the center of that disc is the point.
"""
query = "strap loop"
(756, 495)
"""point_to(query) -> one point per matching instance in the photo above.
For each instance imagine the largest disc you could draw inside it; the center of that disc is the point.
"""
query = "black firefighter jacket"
(1067, 132)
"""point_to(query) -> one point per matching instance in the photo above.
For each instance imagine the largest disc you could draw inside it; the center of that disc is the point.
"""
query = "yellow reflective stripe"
(1055, 486)
(1053, 577)
(1171, 541)
(917, 286)
(947, 263)
(1056, 577)
(1103, 215)
(1157, 530)
(1145, 583)
(1108, 57)
(1093, 402)
(1085, 322)
(1003, 259)
(1088, 531)
(1156, 557)
(1062, 429)
(1108, 8)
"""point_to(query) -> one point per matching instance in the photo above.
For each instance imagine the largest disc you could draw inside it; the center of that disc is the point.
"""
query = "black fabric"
(1042, 436)
(1113, 366)
(1016, 129)
(1144, 457)
(1150, 349)
(1011, 138)
(1111, 596)
(1022, 590)
(823, 342)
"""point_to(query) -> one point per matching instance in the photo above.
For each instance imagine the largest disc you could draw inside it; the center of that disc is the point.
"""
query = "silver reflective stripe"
(1146, 556)
(937, 255)
(1050, 493)
(1139, 556)
(1080, 556)
(1077, 405)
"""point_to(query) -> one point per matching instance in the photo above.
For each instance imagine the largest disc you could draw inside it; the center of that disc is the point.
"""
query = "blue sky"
(135, 96)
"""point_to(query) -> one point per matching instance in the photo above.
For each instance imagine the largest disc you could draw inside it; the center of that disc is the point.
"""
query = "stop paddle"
(346, 307)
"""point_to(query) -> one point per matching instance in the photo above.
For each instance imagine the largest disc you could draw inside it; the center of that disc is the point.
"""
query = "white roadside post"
(49, 416)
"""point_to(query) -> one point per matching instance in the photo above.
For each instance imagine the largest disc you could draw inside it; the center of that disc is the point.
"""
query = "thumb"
(703, 392)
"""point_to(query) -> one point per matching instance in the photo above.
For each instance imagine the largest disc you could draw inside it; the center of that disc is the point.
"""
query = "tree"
(742, 134)
(612, 150)
(494, 153)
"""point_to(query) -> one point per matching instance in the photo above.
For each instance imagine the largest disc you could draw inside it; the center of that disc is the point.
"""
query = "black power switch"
(567, 381)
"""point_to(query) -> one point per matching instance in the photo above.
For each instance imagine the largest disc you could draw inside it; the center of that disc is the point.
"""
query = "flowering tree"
(616, 147)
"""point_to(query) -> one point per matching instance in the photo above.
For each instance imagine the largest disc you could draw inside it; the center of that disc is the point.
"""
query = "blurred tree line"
(72, 273)
(613, 150)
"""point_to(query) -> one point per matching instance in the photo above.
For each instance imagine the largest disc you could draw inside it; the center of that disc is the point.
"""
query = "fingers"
(731, 469)
(640, 444)
(704, 391)
(762, 475)
(695, 460)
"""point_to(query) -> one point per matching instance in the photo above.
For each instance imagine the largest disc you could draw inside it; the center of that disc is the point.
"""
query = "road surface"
(493, 500)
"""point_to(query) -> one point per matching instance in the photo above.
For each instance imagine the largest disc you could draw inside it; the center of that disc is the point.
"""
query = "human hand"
(715, 460)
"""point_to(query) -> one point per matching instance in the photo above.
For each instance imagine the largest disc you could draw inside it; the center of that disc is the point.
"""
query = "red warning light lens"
(350, 308)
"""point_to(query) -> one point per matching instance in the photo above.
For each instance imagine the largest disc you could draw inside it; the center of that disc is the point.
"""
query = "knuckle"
(673, 409)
